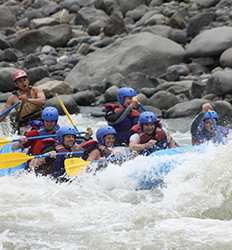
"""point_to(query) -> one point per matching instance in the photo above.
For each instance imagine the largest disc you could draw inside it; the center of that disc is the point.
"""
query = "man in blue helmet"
(208, 130)
(122, 117)
(66, 137)
(149, 136)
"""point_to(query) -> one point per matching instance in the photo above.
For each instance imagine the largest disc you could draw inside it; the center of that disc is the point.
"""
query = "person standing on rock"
(206, 107)
(124, 116)
(32, 100)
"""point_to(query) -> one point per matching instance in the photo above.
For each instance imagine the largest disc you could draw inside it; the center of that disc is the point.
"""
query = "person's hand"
(135, 102)
(52, 154)
(23, 98)
(88, 133)
(23, 139)
(150, 144)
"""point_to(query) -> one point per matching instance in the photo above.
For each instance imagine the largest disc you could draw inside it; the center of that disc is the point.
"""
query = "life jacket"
(158, 134)
(123, 128)
(40, 146)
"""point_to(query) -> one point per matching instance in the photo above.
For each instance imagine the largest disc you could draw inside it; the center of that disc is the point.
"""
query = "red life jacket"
(38, 146)
(158, 134)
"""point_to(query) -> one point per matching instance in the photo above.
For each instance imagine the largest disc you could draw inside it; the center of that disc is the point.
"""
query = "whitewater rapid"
(193, 211)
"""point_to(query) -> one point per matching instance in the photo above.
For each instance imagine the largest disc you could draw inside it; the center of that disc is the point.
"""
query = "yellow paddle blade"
(75, 165)
(11, 160)
(4, 141)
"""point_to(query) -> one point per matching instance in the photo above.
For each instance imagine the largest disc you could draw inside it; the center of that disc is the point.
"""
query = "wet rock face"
(171, 51)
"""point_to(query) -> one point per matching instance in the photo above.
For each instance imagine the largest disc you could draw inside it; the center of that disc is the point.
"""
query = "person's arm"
(40, 99)
(135, 144)
(117, 117)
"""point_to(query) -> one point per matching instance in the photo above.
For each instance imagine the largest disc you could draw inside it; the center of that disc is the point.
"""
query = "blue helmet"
(125, 92)
(62, 131)
(147, 117)
(211, 115)
(102, 132)
(50, 114)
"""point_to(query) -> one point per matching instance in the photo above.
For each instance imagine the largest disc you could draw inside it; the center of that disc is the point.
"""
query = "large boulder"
(163, 100)
(220, 82)
(57, 36)
(84, 98)
(142, 52)
(7, 18)
(189, 108)
(226, 58)
(210, 42)
(224, 109)
(51, 88)
(68, 101)
(6, 83)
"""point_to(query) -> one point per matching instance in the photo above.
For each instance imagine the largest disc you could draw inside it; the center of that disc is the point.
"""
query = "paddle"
(74, 165)
(11, 160)
(4, 141)
(67, 113)
(6, 111)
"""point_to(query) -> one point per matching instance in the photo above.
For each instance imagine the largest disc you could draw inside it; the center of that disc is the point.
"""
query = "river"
(106, 212)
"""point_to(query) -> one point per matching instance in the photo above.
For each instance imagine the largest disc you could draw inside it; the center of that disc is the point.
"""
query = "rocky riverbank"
(176, 54)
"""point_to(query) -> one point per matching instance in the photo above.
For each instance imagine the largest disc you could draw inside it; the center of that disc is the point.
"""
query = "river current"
(107, 212)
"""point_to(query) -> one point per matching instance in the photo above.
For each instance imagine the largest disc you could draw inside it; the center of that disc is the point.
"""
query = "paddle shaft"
(6, 111)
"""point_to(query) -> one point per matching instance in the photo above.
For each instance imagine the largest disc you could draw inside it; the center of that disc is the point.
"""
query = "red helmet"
(19, 74)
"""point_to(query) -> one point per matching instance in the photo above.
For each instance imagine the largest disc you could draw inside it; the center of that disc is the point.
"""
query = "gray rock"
(220, 82)
(56, 36)
(71, 5)
(115, 25)
(104, 42)
(163, 100)
(8, 55)
(197, 69)
(45, 21)
(84, 98)
(137, 13)
(138, 79)
(156, 3)
(177, 20)
(198, 22)
(210, 42)
(124, 56)
(37, 73)
(94, 28)
(68, 101)
(198, 88)
(189, 108)
(108, 6)
(51, 88)
(31, 61)
(33, 13)
(206, 3)
(48, 60)
(7, 18)
(111, 94)
(126, 5)
(88, 15)
(148, 91)
(114, 79)
(224, 109)
(6, 83)
(3, 43)
(49, 50)
(50, 9)
(23, 23)
(174, 72)
(226, 58)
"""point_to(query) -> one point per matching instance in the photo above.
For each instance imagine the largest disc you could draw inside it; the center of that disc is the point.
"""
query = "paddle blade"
(75, 165)
(11, 160)
(4, 141)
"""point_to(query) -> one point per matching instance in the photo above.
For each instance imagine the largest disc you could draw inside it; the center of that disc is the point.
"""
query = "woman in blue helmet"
(149, 135)
(208, 130)
(122, 117)
(66, 137)
(94, 150)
